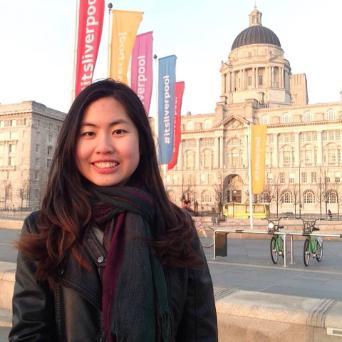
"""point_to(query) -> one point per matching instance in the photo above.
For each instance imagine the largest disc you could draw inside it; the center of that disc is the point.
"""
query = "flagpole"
(249, 156)
(73, 89)
(110, 6)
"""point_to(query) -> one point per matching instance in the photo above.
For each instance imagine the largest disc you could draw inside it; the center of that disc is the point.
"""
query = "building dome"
(256, 33)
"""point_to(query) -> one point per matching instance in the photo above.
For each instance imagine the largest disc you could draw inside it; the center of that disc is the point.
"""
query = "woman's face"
(107, 150)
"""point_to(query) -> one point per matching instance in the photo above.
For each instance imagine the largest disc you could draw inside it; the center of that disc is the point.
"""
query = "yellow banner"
(258, 154)
(124, 29)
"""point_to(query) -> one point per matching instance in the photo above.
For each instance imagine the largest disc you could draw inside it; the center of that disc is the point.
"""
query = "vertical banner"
(166, 107)
(177, 124)
(124, 29)
(258, 153)
(90, 21)
(141, 69)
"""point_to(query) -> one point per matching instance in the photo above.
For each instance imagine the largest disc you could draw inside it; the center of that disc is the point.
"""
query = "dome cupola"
(256, 33)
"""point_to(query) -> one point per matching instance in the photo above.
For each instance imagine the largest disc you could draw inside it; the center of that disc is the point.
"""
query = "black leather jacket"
(70, 311)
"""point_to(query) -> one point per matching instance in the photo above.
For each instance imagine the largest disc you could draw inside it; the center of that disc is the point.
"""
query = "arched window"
(285, 118)
(234, 158)
(330, 115)
(332, 197)
(307, 116)
(207, 124)
(309, 197)
(287, 197)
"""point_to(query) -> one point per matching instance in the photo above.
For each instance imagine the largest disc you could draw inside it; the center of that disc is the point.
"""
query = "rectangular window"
(11, 161)
(313, 177)
(260, 80)
(282, 177)
(287, 158)
(37, 148)
(11, 148)
(337, 179)
(304, 177)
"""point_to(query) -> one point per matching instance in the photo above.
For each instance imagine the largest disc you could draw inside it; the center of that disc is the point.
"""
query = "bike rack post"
(291, 250)
(285, 251)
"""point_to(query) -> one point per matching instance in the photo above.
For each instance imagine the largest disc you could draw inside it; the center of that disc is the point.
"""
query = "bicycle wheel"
(274, 250)
(306, 252)
(319, 251)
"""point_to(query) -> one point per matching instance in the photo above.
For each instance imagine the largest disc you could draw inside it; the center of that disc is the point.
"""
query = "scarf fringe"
(165, 323)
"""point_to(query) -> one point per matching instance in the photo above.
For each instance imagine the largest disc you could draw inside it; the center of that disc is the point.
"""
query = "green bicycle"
(313, 245)
(277, 241)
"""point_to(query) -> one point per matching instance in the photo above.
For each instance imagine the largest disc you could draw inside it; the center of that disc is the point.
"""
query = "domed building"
(304, 141)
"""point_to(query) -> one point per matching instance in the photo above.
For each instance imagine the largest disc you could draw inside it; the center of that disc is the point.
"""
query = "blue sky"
(37, 45)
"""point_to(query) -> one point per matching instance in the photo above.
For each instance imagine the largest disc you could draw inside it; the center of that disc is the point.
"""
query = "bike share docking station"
(313, 245)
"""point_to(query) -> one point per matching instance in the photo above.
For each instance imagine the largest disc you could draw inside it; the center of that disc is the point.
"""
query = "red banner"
(90, 21)
(141, 70)
(177, 124)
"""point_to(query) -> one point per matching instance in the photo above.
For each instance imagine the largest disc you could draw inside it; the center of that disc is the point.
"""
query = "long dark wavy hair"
(66, 209)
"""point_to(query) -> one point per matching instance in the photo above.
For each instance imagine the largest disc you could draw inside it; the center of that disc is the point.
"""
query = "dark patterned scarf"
(134, 292)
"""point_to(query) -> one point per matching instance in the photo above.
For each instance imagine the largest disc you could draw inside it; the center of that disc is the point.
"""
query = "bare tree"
(295, 190)
(23, 193)
(275, 189)
(219, 197)
(8, 193)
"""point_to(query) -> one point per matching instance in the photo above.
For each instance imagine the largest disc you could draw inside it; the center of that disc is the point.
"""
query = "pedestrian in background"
(108, 257)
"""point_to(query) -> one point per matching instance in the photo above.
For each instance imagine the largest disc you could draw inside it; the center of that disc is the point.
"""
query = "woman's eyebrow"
(113, 123)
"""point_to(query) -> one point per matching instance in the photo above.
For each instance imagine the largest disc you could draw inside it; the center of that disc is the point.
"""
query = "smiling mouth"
(106, 165)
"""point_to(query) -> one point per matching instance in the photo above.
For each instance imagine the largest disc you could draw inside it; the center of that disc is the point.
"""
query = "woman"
(108, 257)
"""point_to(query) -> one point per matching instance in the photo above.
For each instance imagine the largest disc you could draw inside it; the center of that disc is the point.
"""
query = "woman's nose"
(104, 144)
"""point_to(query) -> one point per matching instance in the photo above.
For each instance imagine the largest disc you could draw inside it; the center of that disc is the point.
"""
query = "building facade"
(28, 135)
(304, 141)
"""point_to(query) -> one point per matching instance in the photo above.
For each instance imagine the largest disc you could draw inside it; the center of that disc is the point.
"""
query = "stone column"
(223, 84)
(233, 81)
(228, 82)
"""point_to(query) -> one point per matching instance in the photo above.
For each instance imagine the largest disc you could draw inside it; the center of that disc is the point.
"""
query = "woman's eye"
(119, 132)
(87, 134)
